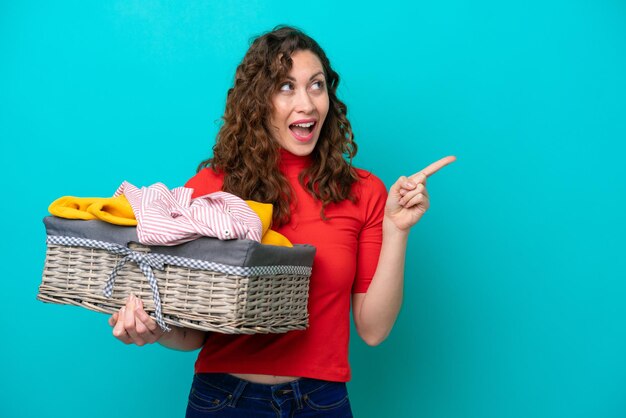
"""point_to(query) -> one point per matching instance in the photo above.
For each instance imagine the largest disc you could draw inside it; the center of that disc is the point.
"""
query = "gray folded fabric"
(236, 252)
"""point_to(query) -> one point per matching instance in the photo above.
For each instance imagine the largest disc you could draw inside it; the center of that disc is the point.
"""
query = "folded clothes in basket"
(234, 286)
(171, 217)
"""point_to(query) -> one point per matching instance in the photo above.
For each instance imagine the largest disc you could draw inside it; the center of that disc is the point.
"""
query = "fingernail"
(410, 184)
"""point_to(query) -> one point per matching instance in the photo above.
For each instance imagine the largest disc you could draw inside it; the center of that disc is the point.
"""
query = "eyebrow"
(312, 77)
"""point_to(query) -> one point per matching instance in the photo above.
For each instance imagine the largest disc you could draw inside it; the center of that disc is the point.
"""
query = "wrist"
(168, 335)
(391, 230)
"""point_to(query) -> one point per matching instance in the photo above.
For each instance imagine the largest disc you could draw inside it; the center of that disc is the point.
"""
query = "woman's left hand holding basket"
(132, 325)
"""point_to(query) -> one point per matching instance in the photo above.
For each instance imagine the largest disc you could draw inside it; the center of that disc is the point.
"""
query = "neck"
(291, 162)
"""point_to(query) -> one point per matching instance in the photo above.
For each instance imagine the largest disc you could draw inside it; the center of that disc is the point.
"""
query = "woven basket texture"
(200, 299)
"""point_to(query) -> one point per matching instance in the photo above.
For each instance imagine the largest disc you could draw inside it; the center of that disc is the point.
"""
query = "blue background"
(515, 280)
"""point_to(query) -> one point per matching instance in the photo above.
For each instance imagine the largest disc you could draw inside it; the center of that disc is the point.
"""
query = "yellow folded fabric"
(71, 207)
(265, 212)
(114, 210)
(272, 237)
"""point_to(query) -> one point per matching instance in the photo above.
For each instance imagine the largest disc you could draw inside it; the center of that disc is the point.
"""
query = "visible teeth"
(304, 125)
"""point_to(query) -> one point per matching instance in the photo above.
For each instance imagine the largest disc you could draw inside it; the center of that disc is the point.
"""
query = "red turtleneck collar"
(291, 163)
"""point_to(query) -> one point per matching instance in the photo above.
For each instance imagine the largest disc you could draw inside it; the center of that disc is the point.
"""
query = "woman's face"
(300, 105)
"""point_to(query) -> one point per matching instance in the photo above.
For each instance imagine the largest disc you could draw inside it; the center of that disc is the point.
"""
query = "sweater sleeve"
(372, 201)
(204, 182)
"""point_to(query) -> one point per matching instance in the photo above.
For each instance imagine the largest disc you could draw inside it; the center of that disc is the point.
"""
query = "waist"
(264, 378)
(233, 384)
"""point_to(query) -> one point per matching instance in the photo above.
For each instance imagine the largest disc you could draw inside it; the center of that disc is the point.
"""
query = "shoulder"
(371, 195)
(369, 184)
(206, 181)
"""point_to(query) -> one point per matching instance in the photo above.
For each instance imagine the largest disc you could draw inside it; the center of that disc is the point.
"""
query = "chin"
(301, 150)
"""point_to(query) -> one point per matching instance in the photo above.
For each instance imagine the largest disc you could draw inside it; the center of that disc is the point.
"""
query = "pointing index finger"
(437, 165)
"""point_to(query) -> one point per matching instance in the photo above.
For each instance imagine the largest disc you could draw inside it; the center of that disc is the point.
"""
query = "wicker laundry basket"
(232, 287)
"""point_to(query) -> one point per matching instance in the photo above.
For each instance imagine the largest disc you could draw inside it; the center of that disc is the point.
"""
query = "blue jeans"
(224, 395)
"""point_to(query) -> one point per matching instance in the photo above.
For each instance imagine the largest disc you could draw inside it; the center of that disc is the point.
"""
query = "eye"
(286, 87)
(318, 85)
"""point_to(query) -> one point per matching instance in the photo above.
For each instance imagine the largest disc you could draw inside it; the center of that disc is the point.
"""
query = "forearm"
(383, 299)
(183, 339)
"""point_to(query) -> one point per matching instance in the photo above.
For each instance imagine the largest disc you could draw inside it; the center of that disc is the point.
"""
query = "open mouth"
(303, 131)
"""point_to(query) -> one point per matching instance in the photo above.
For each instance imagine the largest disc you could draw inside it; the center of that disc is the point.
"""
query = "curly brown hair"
(245, 150)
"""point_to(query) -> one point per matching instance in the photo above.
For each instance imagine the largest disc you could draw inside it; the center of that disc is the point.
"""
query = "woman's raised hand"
(408, 198)
(132, 325)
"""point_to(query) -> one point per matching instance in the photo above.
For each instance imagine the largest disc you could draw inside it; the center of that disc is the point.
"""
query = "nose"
(303, 102)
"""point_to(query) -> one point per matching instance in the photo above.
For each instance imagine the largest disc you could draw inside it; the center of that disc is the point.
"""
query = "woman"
(284, 140)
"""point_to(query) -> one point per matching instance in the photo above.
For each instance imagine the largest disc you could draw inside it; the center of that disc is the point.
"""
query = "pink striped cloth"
(171, 217)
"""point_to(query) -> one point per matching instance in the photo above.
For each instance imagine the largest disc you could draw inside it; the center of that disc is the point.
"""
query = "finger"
(436, 166)
(146, 327)
(113, 319)
(150, 323)
(412, 200)
(129, 321)
(398, 184)
(129, 316)
(407, 186)
(124, 338)
(419, 178)
(418, 200)
(118, 331)
(140, 327)
(147, 335)
(420, 188)
(402, 186)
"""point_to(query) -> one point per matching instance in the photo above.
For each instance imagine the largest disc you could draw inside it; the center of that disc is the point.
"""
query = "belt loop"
(241, 385)
(296, 393)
